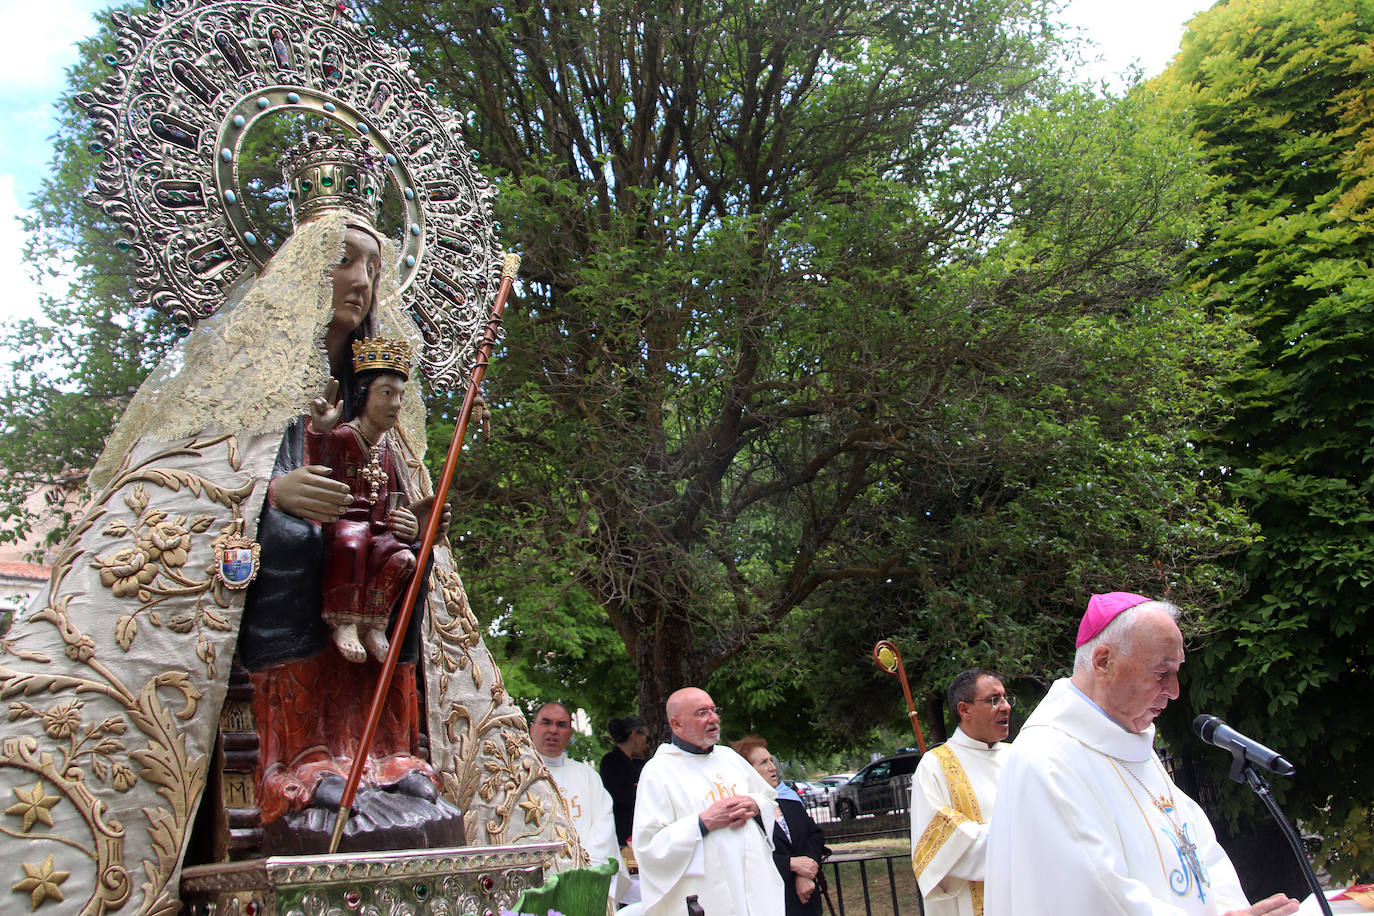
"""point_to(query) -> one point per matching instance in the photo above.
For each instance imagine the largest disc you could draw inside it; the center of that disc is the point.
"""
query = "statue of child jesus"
(368, 558)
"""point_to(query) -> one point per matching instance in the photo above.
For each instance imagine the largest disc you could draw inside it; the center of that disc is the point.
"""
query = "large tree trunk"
(665, 661)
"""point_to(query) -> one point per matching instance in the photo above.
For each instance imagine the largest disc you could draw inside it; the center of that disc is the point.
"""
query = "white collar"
(558, 761)
(961, 739)
(1067, 709)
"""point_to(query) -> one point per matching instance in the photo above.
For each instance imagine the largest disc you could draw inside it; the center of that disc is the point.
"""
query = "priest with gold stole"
(953, 793)
(589, 804)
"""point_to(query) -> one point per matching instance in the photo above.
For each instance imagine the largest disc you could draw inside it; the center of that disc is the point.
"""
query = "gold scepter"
(886, 657)
(374, 714)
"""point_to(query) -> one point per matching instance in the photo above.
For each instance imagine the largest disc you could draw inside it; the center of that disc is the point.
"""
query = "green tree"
(797, 277)
(711, 200)
(1279, 96)
(1060, 462)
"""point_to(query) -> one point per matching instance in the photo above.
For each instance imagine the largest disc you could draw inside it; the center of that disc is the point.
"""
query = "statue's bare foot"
(346, 638)
(376, 643)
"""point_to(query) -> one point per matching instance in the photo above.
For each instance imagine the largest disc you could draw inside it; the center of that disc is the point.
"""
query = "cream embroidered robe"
(730, 869)
(948, 847)
(1074, 832)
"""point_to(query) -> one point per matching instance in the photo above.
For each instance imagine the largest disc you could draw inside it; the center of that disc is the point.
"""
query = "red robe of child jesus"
(366, 566)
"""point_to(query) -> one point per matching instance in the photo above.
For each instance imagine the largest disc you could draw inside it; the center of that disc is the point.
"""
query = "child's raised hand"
(326, 409)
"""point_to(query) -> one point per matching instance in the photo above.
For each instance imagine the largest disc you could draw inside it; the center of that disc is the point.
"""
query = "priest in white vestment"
(953, 793)
(1088, 821)
(589, 804)
(703, 822)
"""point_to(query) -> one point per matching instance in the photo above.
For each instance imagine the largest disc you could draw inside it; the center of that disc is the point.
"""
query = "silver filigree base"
(460, 881)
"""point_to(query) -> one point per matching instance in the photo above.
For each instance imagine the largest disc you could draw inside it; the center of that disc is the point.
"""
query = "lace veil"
(255, 364)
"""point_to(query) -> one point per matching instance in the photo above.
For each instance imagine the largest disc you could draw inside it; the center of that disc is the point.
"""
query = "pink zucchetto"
(1102, 610)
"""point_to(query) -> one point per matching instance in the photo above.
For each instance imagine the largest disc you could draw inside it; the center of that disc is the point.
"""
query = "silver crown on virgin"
(325, 173)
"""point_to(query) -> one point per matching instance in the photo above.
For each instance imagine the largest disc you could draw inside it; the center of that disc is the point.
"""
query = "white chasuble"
(951, 803)
(1088, 821)
(589, 806)
(730, 869)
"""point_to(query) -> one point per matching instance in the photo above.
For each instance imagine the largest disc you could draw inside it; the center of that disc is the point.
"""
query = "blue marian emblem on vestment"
(1190, 872)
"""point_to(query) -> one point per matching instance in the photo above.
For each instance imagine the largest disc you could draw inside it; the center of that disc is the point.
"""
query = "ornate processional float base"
(460, 881)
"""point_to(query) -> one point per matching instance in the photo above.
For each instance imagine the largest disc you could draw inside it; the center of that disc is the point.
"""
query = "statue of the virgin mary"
(201, 545)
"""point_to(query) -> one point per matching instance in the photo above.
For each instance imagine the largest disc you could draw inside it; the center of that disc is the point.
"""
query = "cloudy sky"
(32, 73)
(33, 70)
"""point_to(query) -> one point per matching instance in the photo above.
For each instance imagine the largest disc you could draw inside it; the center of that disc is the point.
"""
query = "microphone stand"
(1243, 771)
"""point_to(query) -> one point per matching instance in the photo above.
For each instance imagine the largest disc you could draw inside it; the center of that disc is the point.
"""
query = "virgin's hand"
(309, 492)
(402, 523)
(422, 510)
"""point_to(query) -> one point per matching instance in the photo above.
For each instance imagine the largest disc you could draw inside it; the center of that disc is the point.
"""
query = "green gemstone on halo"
(351, 183)
(327, 181)
(305, 184)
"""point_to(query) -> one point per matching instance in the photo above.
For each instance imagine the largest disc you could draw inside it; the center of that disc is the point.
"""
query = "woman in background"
(798, 844)
(620, 770)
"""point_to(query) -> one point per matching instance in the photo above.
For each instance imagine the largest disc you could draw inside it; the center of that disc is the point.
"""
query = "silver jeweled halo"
(190, 78)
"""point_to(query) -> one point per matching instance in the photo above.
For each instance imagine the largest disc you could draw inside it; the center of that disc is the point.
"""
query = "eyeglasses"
(995, 701)
(707, 712)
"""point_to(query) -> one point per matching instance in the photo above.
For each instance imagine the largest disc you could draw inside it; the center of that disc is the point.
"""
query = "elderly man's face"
(694, 719)
(1137, 680)
(552, 730)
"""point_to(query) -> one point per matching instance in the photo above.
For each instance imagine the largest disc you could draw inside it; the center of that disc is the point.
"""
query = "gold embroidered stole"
(947, 820)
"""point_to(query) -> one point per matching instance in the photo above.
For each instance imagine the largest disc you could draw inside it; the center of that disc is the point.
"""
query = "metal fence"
(868, 883)
(883, 886)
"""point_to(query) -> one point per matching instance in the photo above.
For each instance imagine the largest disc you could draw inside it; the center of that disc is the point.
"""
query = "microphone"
(1218, 733)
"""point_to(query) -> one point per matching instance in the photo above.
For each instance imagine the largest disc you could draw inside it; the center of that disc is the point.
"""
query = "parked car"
(882, 786)
(828, 784)
(805, 790)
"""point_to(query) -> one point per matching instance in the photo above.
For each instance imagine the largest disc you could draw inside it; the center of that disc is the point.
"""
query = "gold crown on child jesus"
(385, 353)
(325, 173)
